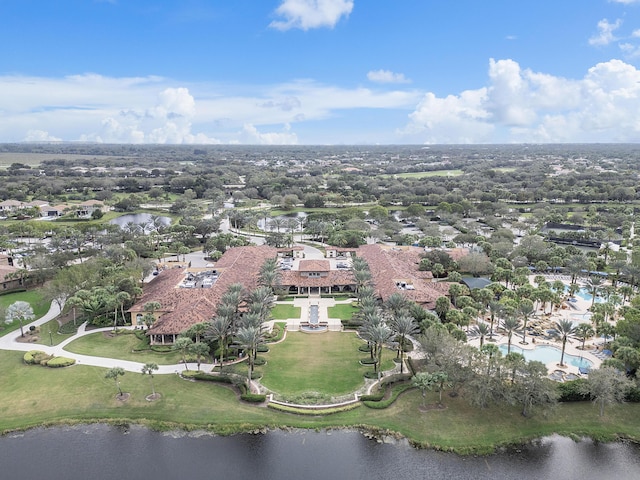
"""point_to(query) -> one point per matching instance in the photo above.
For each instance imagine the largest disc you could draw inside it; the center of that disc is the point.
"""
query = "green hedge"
(395, 393)
(59, 362)
(262, 349)
(314, 411)
(260, 361)
(571, 391)
(36, 357)
(253, 397)
(68, 328)
(368, 361)
(205, 377)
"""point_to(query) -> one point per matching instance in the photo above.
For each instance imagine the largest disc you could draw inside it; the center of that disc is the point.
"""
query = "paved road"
(9, 342)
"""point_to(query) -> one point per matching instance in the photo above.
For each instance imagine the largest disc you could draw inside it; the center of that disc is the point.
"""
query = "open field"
(327, 363)
(284, 311)
(31, 396)
(342, 311)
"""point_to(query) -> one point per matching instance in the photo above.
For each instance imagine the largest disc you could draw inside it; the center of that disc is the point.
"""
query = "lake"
(142, 219)
(104, 452)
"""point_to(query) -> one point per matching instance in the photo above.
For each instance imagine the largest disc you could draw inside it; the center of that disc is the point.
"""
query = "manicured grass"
(343, 311)
(33, 297)
(120, 346)
(282, 311)
(31, 396)
(326, 362)
(51, 326)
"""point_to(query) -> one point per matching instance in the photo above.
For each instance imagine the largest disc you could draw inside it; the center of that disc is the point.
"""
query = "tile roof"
(392, 265)
(334, 277)
(314, 266)
(184, 307)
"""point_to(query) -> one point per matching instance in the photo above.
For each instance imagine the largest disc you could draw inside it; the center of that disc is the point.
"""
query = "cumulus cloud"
(40, 136)
(251, 135)
(387, 76)
(605, 33)
(308, 14)
(519, 105)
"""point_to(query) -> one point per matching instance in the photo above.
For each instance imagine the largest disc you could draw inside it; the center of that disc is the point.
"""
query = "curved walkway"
(10, 342)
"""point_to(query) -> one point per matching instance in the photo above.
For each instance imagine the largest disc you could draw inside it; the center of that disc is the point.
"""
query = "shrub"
(395, 393)
(262, 349)
(368, 361)
(373, 397)
(312, 411)
(365, 348)
(253, 397)
(572, 391)
(59, 362)
(371, 375)
(259, 361)
(36, 357)
(633, 395)
(68, 328)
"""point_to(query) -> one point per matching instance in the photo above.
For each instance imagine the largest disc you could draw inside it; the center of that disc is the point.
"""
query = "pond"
(143, 219)
(99, 451)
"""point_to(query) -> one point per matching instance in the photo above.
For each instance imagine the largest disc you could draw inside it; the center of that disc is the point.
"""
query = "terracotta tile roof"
(184, 307)
(392, 265)
(333, 278)
(314, 266)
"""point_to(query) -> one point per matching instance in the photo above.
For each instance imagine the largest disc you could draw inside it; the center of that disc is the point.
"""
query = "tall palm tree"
(510, 324)
(594, 285)
(219, 330)
(377, 335)
(250, 338)
(483, 330)
(495, 309)
(150, 368)
(526, 310)
(403, 326)
(565, 329)
(584, 331)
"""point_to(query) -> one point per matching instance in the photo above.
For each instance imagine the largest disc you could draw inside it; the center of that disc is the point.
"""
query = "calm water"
(103, 453)
(548, 354)
(139, 219)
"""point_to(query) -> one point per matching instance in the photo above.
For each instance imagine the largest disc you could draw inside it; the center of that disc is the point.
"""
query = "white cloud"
(387, 76)
(251, 135)
(524, 106)
(605, 32)
(308, 14)
(626, 2)
(40, 136)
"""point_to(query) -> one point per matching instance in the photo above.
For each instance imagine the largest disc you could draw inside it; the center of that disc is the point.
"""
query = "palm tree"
(526, 310)
(249, 338)
(114, 373)
(198, 349)
(182, 345)
(594, 284)
(403, 326)
(495, 309)
(565, 329)
(510, 324)
(377, 335)
(219, 330)
(150, 368)
(483, 330)
(584, 331)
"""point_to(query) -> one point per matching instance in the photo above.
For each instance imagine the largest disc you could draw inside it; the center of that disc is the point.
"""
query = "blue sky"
(320, 71)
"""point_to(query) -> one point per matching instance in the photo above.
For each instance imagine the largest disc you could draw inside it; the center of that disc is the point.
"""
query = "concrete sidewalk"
(9, 342)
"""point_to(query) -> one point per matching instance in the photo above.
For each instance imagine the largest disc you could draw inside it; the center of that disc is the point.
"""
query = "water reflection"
(104, 452)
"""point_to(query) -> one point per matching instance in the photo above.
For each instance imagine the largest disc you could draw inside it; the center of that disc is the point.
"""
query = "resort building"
(188, 295)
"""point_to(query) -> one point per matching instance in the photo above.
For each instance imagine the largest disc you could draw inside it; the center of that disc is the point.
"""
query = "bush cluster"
(395, 393)
(37, 357)
(59, 362)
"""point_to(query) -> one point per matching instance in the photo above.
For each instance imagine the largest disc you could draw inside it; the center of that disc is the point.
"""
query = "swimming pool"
(547, 354)
(584, 294)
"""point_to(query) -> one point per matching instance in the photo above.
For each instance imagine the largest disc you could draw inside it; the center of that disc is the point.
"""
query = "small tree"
(114, 373)
(605, 386)
(20, 311)
(182, 344)
(200, 350)
(150, 368)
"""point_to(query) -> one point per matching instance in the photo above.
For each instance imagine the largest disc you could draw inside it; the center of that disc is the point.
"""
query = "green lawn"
(326, 362)
(343, 311)
(31, 396)
(55, 338)
(33, 297)
(120, 346)
(282, 311)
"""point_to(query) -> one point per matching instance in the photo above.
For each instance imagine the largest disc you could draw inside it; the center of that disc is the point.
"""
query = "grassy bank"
(32, 396)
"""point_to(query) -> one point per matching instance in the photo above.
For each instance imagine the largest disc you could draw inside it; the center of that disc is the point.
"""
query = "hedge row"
(572, 392)
(395, 393)
(314, 411)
